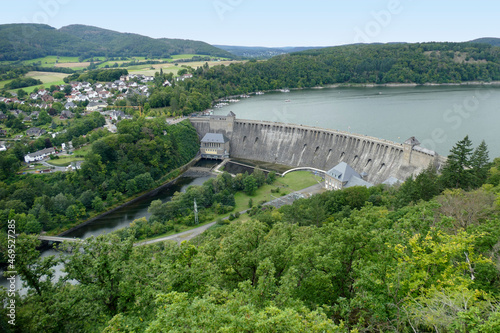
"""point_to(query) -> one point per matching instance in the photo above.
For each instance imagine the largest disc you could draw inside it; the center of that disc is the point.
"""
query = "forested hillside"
(261, 52)
(136, 159)
(423, 257)
(488, 40)
(353, 64)
(388, 63)
(30, 41)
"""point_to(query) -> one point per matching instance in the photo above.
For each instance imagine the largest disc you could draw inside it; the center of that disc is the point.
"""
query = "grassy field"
(64, 161)
(50, 61)
(73, 65)
(171, 68)
(3, 83)
(82, 151)
(293, 181)
(47, 78)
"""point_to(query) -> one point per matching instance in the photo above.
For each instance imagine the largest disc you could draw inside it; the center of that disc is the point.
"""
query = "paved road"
(53, 167)
(182, 236)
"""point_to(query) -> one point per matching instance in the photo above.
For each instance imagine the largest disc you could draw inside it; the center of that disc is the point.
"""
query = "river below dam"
(122, 217)
(438, 116)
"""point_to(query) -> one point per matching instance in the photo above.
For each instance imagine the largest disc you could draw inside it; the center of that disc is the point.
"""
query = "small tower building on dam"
(214, 146)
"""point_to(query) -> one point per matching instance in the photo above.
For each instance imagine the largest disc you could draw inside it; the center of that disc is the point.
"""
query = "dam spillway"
(307, 146)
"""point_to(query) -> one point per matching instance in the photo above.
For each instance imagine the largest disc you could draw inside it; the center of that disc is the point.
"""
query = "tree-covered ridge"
(375, 259)
(488, 40)
(30, 41)
(353, 64)
(117, 167)
(389, 63)
(355, 260)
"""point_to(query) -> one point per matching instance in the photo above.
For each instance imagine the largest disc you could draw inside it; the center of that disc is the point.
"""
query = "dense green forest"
(30, 41)
(136, 159)
(354, 64)
(356, 260)
(488, 40)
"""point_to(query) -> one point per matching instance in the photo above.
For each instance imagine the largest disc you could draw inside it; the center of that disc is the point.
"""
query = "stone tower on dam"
(306, 146)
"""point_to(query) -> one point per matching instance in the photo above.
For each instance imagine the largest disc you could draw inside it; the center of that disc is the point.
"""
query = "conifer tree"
(480, 164)
(457, 170)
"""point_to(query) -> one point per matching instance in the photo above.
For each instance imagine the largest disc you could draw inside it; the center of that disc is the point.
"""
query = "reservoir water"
(438, 116)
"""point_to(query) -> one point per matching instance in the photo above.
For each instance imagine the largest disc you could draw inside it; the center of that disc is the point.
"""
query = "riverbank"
(179, 173)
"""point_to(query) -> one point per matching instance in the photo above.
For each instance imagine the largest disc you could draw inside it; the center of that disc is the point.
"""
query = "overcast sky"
(272, 22)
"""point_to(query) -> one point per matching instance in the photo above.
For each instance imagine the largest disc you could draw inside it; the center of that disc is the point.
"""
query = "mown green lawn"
(293, 181)
(64, 161)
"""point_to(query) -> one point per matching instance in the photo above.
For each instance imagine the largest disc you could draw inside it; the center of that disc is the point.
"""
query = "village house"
(39, 155)
(3, 132)
(18, 113)
(35, 132)
(184, 77)
(34, 114)
(47, 98)
(69, 105)
(66, 114)
(96, 106)
(2, 116)
(116, 115)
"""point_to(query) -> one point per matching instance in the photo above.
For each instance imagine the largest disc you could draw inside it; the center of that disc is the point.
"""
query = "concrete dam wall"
(299, 146)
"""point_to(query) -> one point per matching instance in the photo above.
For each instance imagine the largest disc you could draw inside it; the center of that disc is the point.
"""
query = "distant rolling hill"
(30, 41)
(488, 40)
(262, 52)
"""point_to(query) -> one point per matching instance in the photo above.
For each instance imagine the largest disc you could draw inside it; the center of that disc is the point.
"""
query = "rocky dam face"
(305, 146)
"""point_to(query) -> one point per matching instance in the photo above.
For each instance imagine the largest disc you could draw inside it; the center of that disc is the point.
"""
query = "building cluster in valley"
(95, 97)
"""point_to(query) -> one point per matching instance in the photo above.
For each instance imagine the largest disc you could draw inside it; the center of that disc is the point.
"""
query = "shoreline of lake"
(407, 85)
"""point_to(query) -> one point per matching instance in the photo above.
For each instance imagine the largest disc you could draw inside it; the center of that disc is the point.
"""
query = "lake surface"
(438, 116)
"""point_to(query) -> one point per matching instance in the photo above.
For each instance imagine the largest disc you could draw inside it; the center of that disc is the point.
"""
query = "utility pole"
(195, 212)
